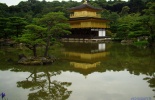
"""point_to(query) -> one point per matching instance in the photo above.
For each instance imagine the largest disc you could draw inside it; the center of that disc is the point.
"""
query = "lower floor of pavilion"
(86, 34)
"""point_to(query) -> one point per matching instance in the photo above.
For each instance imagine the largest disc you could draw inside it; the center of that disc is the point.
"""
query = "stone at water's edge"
(22, 60)
(36, 61)
(127, 41)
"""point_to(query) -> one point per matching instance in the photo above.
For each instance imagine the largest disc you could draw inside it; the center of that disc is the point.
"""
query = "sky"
(15, 2)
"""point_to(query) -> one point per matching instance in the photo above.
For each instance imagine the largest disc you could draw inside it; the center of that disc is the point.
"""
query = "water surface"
(85, 71)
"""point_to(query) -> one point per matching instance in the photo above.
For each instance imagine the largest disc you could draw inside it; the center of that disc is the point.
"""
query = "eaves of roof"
(84, 6)
(87, 18)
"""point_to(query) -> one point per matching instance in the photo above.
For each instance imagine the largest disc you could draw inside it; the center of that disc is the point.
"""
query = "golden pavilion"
(86, 22)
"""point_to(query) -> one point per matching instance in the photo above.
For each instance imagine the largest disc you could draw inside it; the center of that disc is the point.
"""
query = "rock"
(31, 58)
(51, 57)
(35, 61)
(127, 41)
(22, 60)
(20, 56)
(43, 59)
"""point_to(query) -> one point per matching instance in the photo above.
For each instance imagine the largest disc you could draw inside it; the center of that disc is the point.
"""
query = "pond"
(84, 71)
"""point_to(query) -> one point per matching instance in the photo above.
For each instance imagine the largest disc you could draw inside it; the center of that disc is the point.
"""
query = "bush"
(141, 43)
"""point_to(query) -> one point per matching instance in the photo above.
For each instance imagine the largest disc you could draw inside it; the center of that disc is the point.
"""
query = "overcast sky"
(15, 2)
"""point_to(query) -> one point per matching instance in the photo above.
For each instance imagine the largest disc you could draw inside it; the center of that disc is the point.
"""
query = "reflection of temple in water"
(84, 65)
(85, 55)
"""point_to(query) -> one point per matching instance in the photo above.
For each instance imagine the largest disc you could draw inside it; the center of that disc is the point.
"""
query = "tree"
(56, 24)
(16, 25)
(125, 10)
(148, 21)
(43, 88)
(50, 27)
(136, 5)
(3, 10)
(137, 29)
(113, 17)
(3, 28)
(32, 1)
(130, 26)
(32, 37)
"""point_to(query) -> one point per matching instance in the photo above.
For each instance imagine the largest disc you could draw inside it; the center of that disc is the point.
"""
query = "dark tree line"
(34, 8)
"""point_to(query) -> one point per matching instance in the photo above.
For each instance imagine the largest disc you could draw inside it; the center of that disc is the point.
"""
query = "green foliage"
(56, 24)
(32, 35)
(141, 43)
(12, 26)
(38, 8)
(3, 28)
(137, 25)
(124, 25)
(131, 26)
(148, 21)
(16, 25)
(125, 11)
(45, 30)
(123, 31)
(3, 10)
(112, 16)
(136, 5)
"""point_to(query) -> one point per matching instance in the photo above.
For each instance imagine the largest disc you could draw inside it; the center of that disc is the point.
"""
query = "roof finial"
(85, 2)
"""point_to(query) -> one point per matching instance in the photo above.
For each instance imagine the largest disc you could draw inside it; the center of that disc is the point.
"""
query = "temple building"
(86, 23)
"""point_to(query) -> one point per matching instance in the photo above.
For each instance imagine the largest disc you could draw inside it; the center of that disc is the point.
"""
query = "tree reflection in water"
(151, 81)
(44, 88)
